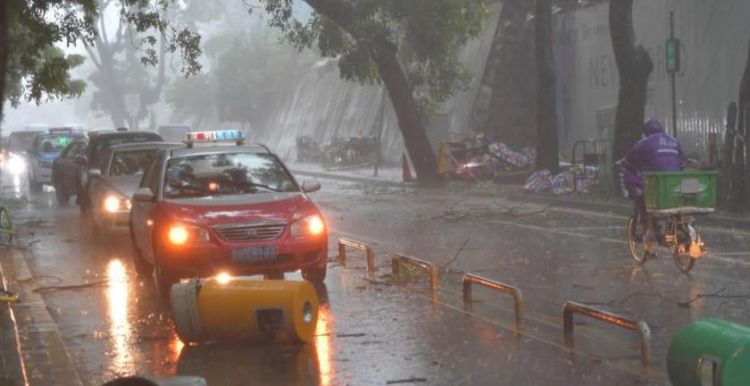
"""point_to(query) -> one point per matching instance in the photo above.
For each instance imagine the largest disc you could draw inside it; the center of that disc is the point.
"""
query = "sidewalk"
(11, 367)
(31, 346)
(391, 176)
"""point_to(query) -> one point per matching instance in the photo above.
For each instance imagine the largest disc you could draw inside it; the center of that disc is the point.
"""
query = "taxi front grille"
(250, 232)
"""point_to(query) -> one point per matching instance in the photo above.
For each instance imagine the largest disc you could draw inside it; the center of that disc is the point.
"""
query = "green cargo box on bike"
(685, 192)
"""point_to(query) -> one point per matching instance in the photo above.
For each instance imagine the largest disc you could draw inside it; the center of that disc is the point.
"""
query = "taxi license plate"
(254, 254)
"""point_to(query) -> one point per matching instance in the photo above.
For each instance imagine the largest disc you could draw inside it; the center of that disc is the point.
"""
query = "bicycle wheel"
(638, 250)
(680, 255)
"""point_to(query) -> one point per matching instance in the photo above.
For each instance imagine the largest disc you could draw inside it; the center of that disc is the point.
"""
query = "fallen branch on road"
(716, 294)
(70, 287)
(407, 380)
(455, 255)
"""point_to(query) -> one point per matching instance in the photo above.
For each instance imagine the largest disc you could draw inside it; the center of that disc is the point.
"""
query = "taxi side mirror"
(143, 195)
(94, 173)
(309, 186)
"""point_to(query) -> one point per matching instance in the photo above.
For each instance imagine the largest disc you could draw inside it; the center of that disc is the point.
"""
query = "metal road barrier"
(710, 349)
(398, 259)
(570, 308)
(343, 243)
(471, 279)
(7, 230)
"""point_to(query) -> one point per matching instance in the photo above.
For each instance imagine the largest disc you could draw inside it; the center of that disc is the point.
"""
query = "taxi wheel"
(163, 279)
(82, 200)
(143, 268)
(315, 275)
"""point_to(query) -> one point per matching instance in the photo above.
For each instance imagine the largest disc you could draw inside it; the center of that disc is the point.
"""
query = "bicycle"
(675, 232)
(673, 199)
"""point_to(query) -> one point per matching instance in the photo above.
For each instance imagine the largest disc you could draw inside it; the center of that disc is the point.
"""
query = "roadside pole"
(380, 128)
(672, 63)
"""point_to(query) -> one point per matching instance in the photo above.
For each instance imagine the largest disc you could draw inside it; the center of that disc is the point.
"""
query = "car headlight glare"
(181, 234)
(114, 203)
(178, 235)
(16, 165)
(309, 226)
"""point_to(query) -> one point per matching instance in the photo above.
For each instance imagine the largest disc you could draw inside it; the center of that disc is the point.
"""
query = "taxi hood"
(238, 209)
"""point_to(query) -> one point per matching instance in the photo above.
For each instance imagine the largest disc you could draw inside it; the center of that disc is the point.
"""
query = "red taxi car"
(210, 209)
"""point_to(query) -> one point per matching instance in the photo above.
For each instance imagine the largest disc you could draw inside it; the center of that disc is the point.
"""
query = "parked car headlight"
(16, 164)
(309, 226)
(181, 234)
(115, 203)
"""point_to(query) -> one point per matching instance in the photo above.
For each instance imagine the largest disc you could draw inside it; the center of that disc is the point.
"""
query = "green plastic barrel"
(711, 345)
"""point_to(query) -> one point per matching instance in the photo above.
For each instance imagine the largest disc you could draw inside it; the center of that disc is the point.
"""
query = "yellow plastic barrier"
(243, 309)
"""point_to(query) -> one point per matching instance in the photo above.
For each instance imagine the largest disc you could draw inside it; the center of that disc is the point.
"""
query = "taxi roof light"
(193, 137)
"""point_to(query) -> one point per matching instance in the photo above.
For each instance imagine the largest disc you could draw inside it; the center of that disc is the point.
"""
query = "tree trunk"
(738, 199)
(506, 105)
(4, 20)
(407, 113)
(634, 66)
(547, 151)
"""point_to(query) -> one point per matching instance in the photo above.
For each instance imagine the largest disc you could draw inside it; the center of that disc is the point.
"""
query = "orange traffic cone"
(406, 169)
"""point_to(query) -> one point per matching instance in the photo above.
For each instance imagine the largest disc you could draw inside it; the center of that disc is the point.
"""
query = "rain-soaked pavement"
(372, 332)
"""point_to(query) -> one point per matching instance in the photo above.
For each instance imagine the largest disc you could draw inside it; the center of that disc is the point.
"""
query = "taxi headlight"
(308, 226)
(115, 203)
(181, 234)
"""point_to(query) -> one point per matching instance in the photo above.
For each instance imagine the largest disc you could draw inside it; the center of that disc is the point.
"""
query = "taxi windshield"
(53, 143)
(131, 162)
(226, 174)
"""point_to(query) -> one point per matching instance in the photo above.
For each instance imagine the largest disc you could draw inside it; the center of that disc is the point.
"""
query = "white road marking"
(592, 228)
(715, 256)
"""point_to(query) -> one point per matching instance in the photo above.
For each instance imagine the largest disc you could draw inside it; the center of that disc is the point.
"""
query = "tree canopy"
(31, 32)
(427, 34)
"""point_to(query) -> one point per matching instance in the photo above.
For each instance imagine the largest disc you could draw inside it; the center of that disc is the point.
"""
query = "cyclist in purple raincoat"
(656, 152)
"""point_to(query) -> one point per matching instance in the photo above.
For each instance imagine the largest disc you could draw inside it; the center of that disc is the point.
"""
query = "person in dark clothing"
(656, 152)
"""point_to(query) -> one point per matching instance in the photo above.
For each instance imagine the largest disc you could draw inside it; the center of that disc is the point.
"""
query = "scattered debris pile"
(339, 152)
(472, 158)
(582, 179)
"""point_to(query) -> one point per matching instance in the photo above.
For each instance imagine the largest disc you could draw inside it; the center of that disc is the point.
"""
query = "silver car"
(111, 188)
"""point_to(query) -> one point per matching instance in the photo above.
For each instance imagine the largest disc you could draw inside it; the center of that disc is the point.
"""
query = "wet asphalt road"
(372, 332)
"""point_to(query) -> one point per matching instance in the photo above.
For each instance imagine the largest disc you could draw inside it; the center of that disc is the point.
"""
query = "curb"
(339, 177)
(44, 355)
(716, 220)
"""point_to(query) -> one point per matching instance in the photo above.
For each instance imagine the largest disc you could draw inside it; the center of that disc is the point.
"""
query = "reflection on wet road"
(120, 331)
(323, 348)
(373, 332)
